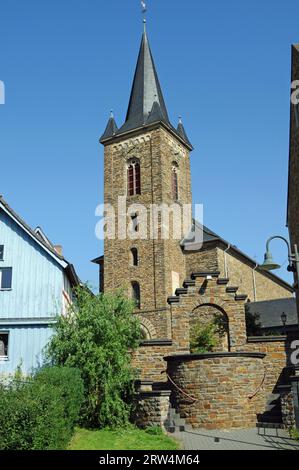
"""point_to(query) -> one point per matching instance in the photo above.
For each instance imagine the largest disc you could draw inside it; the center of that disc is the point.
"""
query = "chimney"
(58, 249)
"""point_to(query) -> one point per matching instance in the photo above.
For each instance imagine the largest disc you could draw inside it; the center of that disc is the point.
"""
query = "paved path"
(247, 439)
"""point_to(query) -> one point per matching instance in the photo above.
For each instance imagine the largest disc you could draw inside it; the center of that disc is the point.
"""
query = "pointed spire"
(146, 90)
(182, 133)
(111, 128)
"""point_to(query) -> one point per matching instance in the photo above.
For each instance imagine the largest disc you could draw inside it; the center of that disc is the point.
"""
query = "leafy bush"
(40, 414)
(71, 390)
(203, 338)
(97, 337)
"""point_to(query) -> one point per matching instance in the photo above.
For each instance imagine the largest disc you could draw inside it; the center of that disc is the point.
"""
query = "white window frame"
(4, 332)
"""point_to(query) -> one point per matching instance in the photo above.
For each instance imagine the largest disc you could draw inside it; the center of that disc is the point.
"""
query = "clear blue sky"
(223, 65)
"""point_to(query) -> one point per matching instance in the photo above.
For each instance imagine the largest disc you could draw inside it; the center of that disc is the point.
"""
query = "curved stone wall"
(216, 390)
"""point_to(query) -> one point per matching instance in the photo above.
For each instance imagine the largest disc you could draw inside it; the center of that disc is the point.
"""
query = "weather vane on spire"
(144, 7)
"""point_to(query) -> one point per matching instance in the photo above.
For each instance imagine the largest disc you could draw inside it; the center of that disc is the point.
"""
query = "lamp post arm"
(285, 240)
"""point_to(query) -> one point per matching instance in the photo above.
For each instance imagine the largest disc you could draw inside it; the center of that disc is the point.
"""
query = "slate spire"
(146, 105)
(146, 91)
(182, 133)
(111, 128)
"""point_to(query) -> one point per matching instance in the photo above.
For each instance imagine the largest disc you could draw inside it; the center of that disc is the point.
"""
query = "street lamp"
(270, 265)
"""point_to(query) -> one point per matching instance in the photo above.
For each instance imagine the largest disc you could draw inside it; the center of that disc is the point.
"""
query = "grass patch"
(295, 434)
(121, 439)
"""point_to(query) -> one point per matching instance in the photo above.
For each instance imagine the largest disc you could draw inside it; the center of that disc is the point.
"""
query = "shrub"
(203, 338)
(40, 414)
(97, 337)
(71, 391)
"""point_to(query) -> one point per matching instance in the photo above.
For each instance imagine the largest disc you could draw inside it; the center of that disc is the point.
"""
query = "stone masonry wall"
(152, 409)
(159, 260)
(216, 390)
(204, 260)
(275, 366)
(287, 409)
(150, 364)
(242, 275)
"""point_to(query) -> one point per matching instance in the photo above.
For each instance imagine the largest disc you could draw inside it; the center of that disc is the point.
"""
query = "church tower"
(147, 163)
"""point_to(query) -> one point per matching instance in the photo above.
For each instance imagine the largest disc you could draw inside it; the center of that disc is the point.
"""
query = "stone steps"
(175, 424)
(272, 417)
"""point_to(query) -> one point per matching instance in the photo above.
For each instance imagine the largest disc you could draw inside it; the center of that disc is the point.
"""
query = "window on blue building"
(5, 278)
(1, 252)
(3, 344)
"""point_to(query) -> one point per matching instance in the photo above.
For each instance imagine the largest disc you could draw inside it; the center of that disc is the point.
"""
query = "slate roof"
(146, 90)
(146, 105)
(270, 312)
(111, 129)
(42, 241)
(201, 235)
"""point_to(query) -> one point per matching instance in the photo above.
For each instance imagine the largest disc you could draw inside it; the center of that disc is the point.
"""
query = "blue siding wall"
(26, 345)
(37, 285)
(37, 280)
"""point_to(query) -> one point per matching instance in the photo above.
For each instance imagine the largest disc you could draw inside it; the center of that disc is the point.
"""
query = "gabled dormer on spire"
(111, 128)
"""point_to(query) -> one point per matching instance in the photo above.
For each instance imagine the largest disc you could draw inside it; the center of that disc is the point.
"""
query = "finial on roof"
(180, 120)
(144, 10)
(111, 113)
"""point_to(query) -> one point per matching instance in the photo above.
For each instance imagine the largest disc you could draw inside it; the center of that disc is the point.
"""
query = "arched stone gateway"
(209, 314)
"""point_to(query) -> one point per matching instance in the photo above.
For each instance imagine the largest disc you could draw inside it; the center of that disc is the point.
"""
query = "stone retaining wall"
(216, 391)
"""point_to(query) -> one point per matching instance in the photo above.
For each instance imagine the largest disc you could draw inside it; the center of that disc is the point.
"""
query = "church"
(176, 283)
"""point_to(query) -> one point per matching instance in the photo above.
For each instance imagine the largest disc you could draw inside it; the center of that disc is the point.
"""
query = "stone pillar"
(287, 406)
(152, 409)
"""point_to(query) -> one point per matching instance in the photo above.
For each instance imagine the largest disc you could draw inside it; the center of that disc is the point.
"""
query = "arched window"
(136, 293)
(134, 178)
(175, 184)
(134, 257)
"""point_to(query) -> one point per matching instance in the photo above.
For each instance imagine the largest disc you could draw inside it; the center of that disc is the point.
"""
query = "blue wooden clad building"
(36, 285)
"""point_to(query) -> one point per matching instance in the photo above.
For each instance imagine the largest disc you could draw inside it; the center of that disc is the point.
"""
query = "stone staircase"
(272, 417)
(175, 424)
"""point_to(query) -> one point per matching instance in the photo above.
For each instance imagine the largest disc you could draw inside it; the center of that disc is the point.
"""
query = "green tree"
(97, 336)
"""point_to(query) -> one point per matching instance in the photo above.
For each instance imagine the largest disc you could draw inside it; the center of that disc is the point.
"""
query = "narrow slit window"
(175, 184)
(1, 252)
(136, 293)
(134, 255)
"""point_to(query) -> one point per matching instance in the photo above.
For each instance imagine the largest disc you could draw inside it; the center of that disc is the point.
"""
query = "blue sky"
(224, 66)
